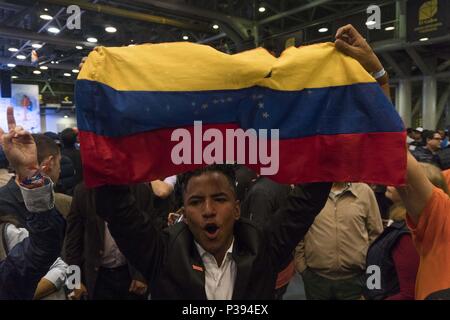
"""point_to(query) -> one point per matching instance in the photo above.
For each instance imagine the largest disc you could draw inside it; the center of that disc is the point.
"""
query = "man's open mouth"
(211, 230)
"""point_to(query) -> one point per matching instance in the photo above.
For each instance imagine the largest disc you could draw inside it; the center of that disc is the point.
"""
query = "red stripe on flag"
(378, 157)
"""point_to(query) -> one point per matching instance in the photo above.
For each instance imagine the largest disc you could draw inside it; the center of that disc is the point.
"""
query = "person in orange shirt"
(428, 207)
(446, 174)
(429, 220)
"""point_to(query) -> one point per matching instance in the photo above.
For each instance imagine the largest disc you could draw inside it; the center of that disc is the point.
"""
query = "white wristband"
(377, 75)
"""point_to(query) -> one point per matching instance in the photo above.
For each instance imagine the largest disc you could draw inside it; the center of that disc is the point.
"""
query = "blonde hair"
(397, 212)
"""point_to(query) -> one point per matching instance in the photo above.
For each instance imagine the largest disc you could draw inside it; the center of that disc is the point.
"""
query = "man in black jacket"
(214, 254)
(106, 275)
(28, 261)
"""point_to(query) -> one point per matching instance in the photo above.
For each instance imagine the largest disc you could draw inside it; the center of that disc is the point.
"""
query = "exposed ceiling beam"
(443, 65)
(392, 45)
(442, 102)
(17, 16)
(238, 24)
(441, 76)
(293, 11)
(213, 38)
(398, 70)
(329, 18)
(62, 66)
(426, 70)
(416, 108)
(10, 6)
(100, 8)
(53, 81)
(14, 33)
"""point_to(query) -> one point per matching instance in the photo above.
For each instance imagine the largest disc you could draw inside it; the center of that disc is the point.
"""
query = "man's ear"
(237, 214)
(183, 213)
(47, 164)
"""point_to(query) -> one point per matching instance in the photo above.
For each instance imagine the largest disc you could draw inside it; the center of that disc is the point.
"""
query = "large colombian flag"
(334, 122)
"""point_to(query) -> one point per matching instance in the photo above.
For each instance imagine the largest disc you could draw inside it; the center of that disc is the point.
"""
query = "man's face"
(416, 135)
(211, 209)
(434, 144)
(392, 194)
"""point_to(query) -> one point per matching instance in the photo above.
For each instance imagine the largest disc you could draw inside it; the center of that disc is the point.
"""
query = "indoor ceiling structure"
(228, 25)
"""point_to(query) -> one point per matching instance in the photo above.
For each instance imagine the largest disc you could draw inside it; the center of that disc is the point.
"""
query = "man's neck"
(221, 256)
(338, 186)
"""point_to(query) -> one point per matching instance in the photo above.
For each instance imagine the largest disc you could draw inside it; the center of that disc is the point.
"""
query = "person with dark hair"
(49, 156)
(67, 180)
(214, 253)
(106, 273)
(409, 135)
(428, 153)
(12, 203)
(68, 140)
(5, 176)
(416, 135)
(27, 262)
(263, 199)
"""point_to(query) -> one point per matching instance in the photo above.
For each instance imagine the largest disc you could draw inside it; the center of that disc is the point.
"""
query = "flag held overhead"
(329, 117)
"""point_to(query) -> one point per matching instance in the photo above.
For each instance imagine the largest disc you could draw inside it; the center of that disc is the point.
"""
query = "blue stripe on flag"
(357, 108)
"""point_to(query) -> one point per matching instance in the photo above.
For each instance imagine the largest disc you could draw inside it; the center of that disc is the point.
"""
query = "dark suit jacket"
(85, 233)
(166, 258)
(74, 155)
(263, 199)
(12, 204)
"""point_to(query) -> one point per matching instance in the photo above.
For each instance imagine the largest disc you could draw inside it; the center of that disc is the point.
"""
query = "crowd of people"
(222, 231)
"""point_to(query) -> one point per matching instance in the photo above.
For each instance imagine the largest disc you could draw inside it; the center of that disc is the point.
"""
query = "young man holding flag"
(215, 254)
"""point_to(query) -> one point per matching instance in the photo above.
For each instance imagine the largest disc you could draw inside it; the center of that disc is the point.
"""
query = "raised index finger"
(10, 118)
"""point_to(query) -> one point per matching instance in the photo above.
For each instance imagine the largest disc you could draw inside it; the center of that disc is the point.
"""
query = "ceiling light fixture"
(11, 65)
(92, 40)
(322, 30)
(53, 30)
(36, 45)
(21, 57)
(110, 29)
(36, 72)
(43, 67)
(12, 49)
(45, 17)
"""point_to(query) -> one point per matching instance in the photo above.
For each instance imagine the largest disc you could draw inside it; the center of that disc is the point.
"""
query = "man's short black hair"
(45, 146)
(68, 137)
(428, 135)
(226, 169)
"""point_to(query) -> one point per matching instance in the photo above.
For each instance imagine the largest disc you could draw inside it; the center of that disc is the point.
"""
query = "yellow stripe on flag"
(185, 66)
